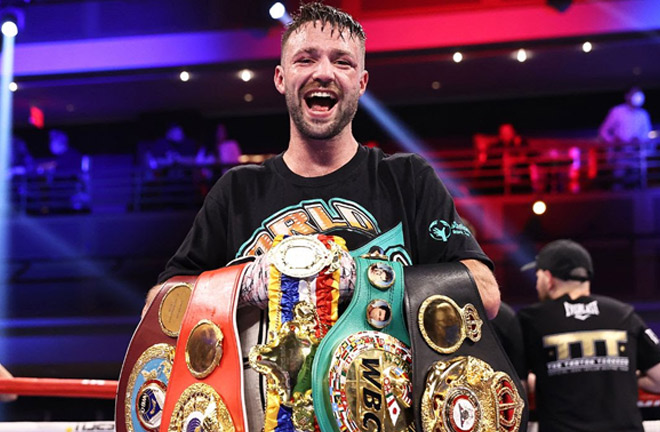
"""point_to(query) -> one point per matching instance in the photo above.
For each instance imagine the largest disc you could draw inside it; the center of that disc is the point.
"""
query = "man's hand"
(151, 295)
(487, 285)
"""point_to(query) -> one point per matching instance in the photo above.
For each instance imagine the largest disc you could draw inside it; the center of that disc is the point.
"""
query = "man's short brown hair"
(336, 18)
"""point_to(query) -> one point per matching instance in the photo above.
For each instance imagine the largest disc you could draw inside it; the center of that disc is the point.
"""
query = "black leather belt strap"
(450, 335)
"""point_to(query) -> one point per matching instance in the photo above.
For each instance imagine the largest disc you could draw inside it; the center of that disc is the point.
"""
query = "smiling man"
(325, 182)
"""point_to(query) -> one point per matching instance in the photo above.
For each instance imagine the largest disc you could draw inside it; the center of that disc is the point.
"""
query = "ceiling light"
(248, 97)
(521, 55)
(246, 75)
(539, 207)
(457, 57)
(184, 76)
(435, 85)
(277, 11)
(587, 47)
(13, 86)
(9, 29)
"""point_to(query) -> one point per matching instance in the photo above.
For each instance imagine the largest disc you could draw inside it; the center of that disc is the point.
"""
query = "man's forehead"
(327, 30)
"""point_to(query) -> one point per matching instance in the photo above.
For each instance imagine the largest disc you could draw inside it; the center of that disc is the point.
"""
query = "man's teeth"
(321, 95)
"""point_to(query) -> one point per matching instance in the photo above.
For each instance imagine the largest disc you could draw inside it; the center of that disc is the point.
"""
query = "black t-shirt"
(396, 202)
(585, 354)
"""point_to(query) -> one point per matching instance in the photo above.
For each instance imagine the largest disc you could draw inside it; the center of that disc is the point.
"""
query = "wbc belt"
(146, 368)
(361, 372)
(206, 384)
(462, 379)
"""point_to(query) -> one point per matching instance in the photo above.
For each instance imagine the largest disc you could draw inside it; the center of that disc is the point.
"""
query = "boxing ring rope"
(106, 389)
(59, 387)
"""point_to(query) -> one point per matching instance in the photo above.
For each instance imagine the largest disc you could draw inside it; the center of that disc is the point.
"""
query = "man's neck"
(573, 289)
(316, 158)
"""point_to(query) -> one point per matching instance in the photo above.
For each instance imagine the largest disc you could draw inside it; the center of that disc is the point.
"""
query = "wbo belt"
(206, 385)
(361, 371)
(145, 372)
(462, 379)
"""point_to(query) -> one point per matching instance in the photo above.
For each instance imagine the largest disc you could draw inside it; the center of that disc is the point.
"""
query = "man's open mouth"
(320, 101)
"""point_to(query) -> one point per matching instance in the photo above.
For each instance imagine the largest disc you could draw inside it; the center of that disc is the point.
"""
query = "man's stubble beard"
(331, 130)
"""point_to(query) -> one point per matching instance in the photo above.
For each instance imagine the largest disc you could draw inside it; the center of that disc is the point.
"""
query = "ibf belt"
(361, 373)
(206, 384)
(462, 378)
(303, 298)
(148, 362)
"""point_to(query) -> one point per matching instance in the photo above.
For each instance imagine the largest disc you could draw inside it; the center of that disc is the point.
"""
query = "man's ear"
(551, 280)
(279, 79)
(364, 79)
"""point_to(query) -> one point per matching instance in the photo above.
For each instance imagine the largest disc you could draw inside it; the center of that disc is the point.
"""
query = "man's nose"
(324, 71)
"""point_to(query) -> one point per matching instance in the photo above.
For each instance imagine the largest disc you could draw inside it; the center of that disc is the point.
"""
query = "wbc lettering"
(370, 410)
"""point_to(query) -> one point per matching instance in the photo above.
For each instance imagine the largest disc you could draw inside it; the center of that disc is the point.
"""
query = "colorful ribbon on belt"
(300, 312)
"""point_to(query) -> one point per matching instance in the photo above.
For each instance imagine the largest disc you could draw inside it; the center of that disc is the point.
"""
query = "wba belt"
(206, 385)
(146, 368)
(462, 379)
(361, 372)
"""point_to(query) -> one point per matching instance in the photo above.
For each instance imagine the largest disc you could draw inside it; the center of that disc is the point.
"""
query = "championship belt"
(206, 385)
(361, 373)
(148, 362)
(303, 299)
(462, 379)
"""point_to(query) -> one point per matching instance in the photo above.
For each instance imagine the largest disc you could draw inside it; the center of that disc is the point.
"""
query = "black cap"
(565, 259)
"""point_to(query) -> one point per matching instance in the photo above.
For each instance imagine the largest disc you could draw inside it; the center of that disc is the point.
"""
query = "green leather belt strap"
(356, 319)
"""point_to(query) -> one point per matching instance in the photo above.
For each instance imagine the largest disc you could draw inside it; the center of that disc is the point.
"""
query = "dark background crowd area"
(445, 124)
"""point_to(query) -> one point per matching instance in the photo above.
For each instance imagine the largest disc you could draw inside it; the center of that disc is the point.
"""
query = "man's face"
(543, 284)
(322, 77)
(378, 314)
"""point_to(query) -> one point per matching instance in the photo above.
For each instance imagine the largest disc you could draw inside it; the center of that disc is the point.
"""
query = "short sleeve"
(443, 235)
(648, 345)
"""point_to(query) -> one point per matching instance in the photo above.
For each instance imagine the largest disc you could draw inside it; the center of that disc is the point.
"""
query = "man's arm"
(651, 380)
(487, 285)
(605, 131)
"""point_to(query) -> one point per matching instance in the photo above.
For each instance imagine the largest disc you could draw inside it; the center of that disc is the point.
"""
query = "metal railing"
(545, 166)
(549, 166)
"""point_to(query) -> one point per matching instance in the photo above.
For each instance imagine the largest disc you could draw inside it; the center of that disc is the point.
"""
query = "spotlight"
(9, 29)
(587, 47)
(539, 207)
(457, 57)
(246, 75)
(277, 11)
(521, 55)
(13, 86)
(248, 97)
(13, 21)
(435, 85)
(184, 76)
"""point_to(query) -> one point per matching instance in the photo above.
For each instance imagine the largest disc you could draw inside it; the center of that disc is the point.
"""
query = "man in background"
(585, 350)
